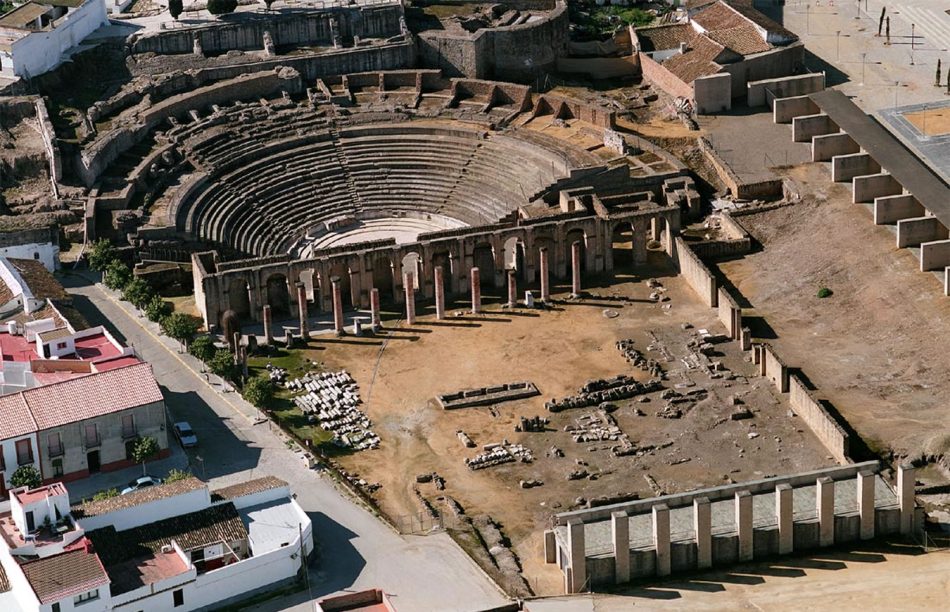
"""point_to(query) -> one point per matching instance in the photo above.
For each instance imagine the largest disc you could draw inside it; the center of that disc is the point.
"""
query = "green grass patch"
(825, 292)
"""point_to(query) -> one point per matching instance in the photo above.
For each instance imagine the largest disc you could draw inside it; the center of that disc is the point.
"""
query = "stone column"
(302, 310)
(783, 517)
(550, 546)
(825, 499)
(702, 526)
(476, 291)
(906, 480)
(575, 268)
(268, 337)
(410, 283)
(661, 539)
(374, 308)
(512, 289)
(744, 524)
(621, 537)
(577, 556)
(545, 277)
(439, 294)
(337, 306)
(865, 496)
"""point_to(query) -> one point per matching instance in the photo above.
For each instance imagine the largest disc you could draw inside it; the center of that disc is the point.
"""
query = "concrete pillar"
(906, 480)
(575, 268)
(661, 539)
(374, 308)
(866, 504)
(805, 127)
(826, 146)
(825, 500)
(868, 187)
(439, 294)
(893, 208)
(934, 255)
(302, 310)
(702, 526)
(268, 336)
(744, 524)
(410, 298)
(577, 559)
(621, 538)
(337, 306)
(913, 232)
(846, 167)
(783, 516)
(512, 288)
(550, 546)
(476, 291)
(545, 278)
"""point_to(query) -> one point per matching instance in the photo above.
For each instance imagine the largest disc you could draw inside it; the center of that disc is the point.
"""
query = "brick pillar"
(410, 286)
(476, 291)
(268, 337)
(621, 536)
(439, 294)
(577, 558)
(906, 480)
(825, 499)
(337, 306)
(702, 526)
(576, 268)
(744, 524)
(866, 504)
(545, 278)
(661, 539)
(783, 516)
(374, 308)
(512, 288)
(302, 309)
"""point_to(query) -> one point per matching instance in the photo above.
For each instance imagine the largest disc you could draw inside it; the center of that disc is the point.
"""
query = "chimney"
(684, 47)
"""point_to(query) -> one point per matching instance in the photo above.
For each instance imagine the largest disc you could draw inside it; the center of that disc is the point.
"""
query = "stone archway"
(278, 296)
(238, 299)
(622, 240)
(483, 258)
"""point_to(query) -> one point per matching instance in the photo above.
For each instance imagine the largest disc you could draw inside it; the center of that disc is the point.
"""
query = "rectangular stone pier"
(871, 186)
(912, 232)
(934, 255)
(893, 208)
(786, 109)
(826, 146)
(806, 127)
(846, 167)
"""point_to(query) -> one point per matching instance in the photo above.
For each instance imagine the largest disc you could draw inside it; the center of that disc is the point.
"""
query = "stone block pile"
(332, 399)
(498, 454)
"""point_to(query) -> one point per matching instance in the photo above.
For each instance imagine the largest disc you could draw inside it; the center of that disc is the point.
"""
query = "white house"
(35, 36)
(41, 244)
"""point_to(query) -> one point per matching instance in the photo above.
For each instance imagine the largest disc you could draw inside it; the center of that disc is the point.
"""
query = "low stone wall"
(562, 107)
(784, 110)
(486, 396)
(697, 275)
(730, 313)
(821, 423)
(657, 75)
(766, 91)
(774, 368)
(740, 189)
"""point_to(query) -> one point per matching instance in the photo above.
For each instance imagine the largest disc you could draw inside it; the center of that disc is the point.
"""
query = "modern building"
(177, 546)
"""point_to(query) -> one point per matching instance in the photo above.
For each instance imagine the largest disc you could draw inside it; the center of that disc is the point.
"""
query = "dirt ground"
(877, 348)
(933, 122)
(559, 350)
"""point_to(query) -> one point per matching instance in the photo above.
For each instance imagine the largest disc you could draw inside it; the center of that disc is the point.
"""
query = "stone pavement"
(357, 550)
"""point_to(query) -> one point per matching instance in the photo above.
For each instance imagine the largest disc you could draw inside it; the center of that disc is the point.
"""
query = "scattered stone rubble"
(596, 392)
(498, 454)
(532, 424)
(637, 359)
(331, 399)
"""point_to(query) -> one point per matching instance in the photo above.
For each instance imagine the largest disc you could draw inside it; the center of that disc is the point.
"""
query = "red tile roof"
(698, 61)
(61, 576)
(15, 417)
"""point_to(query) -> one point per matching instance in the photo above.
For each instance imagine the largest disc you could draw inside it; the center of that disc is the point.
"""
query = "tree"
(222, 364)
(221, 7)
(26, 476)
(203, 348)
(157, 308)
(145, 448)
(259, 391)
(175, 475)
(175, 8)
(137, 292)
(107, 494)
(181, 327)
(117, 275)
(101, 255)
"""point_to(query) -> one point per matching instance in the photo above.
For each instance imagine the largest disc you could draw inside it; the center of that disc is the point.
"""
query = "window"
(60, 345)
(3, 462)
(55, 445)
(24, 452)
(58, 466)
(87, 596)
(55, 607)
(36, 255)
(128, 426)
(178, 597)
(92, 435)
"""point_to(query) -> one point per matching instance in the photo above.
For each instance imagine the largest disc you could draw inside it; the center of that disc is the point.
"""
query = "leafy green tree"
(222, 364)
(203, 348)
(26, 476)
(259, 391)
(175, 8)
(221, 7)
(107, 494)
(145, 448)
(101, 255)
(117, 275)
(180, 326)
(157, 308)
(137, 292)
(175, 475)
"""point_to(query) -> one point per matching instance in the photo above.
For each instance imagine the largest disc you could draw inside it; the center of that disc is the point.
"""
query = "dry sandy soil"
(877, 348)
(559, 350)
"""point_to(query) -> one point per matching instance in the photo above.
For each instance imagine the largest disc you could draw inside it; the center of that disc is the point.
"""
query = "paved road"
(357, 550)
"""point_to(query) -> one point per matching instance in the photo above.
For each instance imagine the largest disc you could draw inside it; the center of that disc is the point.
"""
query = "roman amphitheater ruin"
(407, 195)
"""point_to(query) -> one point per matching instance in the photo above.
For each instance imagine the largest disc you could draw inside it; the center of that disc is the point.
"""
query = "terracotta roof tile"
(4, 581)
(743, 39)
(718, 16)
(698, 61)
(41, 281)
(15, 417)
(60, 576)
(664, 37)
(136, 498)
(247, 488)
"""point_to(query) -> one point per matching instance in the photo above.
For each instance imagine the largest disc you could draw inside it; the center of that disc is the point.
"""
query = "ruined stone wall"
(657, 75)
(697, 275)
(821, 423)
(779, 62)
